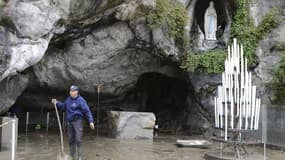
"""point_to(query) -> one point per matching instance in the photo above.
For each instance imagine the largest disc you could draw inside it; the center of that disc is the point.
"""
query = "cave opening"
(154, 92)
(164, 96)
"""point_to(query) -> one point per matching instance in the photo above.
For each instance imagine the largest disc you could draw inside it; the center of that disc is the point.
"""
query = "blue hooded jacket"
(75, 107)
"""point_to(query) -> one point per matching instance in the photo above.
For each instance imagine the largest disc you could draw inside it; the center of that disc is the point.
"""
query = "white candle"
(253, 106)
(244, 106)
(232, 60)
(215, 103)
(245, 99)
(219, 111)
(236, 86)
(238, 101)
(242, 58)
(230, 86)
(255, 119)
(221, 105)
(257, 114)
(245, 64)
(241, 53)
(225, 64)
(225, 80)
(234, 48)
(242, 73)
(250, 96)
(242, 89)
(226, 116)
(240, 113)
(238, 58)
(229, 52)
(232, 114)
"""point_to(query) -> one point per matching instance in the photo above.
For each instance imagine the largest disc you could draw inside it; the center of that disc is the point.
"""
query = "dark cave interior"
(154, 92)
(164, 96)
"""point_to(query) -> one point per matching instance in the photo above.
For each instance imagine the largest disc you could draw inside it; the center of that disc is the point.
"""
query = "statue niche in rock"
(210, 28)
(210, 24)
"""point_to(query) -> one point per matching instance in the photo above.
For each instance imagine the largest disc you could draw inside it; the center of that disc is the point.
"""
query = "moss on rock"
(171, 13)
(209, 62)
(278, 85)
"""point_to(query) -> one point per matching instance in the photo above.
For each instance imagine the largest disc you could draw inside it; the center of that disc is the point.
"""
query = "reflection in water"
(44, 146)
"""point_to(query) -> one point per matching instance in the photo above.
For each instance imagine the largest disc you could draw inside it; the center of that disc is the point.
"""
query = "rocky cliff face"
(81, 42)
(47, 45)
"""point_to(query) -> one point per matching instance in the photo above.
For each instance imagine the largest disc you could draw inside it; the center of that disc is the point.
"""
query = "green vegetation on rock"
(209, 62)
(278, 85)
(247, 34)
(2, 5)
(170, 13)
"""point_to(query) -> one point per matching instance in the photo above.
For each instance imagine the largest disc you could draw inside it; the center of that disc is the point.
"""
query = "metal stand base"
(233, 148)
(230, 156)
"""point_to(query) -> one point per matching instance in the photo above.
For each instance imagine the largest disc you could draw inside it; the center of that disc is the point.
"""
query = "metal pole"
(13, 149)
(27, 122)
(221, 145)
(63, 121)
(264, 130)
(98, 108)
(60, 129)
(47, 120)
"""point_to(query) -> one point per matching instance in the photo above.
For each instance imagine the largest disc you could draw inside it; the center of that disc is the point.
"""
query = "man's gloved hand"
(92, 125)
(53, 101)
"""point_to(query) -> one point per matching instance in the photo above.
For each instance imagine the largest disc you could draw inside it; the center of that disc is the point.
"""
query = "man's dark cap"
(74, 88)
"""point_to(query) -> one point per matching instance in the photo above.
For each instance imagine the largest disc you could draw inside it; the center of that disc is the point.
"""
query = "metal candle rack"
(237, 107)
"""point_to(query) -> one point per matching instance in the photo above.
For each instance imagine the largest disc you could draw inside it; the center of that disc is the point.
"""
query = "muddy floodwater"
(43, 146)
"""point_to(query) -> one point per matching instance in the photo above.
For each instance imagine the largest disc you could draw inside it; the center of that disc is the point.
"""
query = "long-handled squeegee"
(62, 155)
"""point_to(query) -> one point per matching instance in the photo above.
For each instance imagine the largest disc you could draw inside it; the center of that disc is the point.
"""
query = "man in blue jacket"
(76, 108)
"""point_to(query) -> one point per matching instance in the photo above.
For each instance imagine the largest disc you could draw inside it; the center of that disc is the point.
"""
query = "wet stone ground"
(43, 146)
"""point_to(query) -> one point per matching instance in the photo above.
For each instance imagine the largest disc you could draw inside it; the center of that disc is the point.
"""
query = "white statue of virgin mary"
(210, 24)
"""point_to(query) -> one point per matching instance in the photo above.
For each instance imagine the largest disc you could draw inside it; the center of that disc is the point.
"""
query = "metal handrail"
(5, 124)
